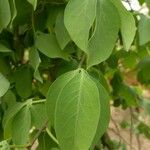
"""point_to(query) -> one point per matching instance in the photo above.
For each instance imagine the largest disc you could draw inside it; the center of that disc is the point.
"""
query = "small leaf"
(144, 71)
(77, 109)
(47, 44)
(61, 32)
(5, 14)
(13, 11)
(107, 27)
(146, 106)
(8, 117)
(143, 28)
(128, 26)
(9, 98)
(34, 3)
(4, 49)
(79, 18)
(34, 60)
(22, 121)
(4, 85)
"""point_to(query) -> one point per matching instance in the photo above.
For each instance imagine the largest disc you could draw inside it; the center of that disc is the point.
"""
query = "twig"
(119, 135)
(139, 142)
(116, 126)
(51, 136)
(131, 129)
(82, 61)
(38, 134)
(38, 101)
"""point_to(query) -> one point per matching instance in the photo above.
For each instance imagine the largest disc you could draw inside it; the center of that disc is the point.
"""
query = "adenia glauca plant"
(63, 65)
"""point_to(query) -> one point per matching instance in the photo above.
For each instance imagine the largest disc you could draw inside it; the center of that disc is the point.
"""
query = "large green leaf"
(23, 80)
(61, 31)
(24, 11)
(20, 126)
(5, 14)
(107, 27)
(52, 94)
(104, 113)
(9, 115)
(143, 28)
(128, 27)
(79, 17)
(4, 85)
(77, 110)
(47, 44)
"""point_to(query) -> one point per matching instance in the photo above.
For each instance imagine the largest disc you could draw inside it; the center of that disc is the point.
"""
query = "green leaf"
(144, 71)
(45, 142)
(146, 106)
(128, 26)
(4, 145)
(34, 60)
(4, 67)
(24, 11)
(5, 14)
(47, 44)
(9, 115)
(61, 32)
(77, 109)
(148, 3)
(23, 80)
(52, 94)
(38, 115)
(4, 85)
(13, 11)
(4, 49)
(104, 113)
(9, 98)
(128, 94)
(97, 74)
(34, 3)
(143, 28)
(107, 27)
(22, 121)
(144, 129)
(78, 18)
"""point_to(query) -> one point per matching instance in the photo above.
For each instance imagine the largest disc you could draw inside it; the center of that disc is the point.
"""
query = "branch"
(38, 134)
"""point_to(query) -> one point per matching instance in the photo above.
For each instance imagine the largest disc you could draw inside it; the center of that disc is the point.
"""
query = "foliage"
(62, 63)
